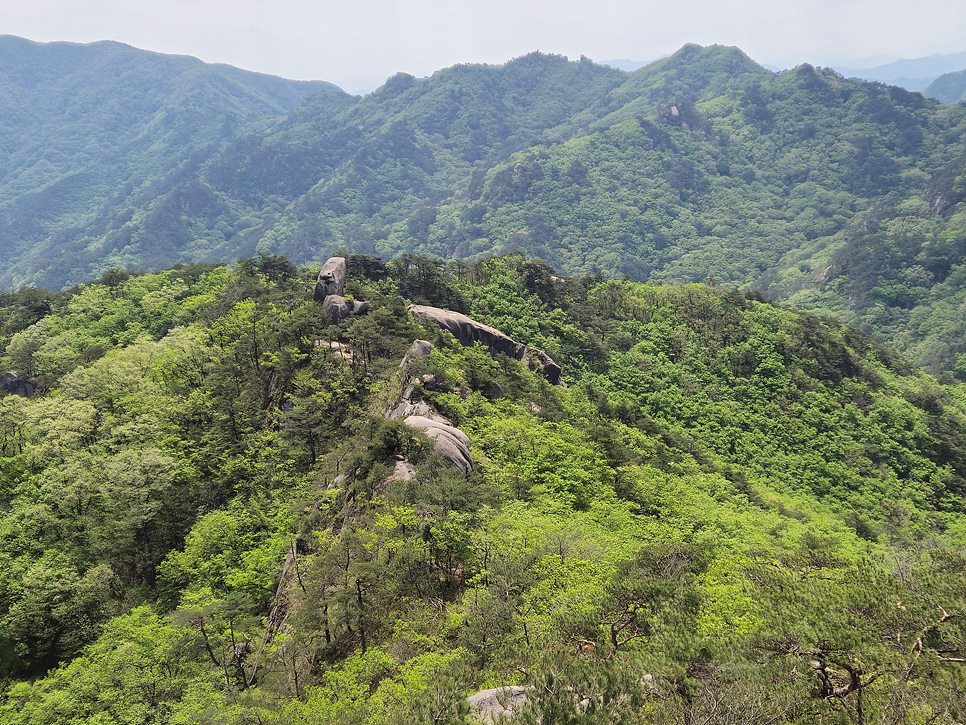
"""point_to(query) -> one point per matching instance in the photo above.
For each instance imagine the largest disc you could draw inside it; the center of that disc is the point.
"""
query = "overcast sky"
(358, 43)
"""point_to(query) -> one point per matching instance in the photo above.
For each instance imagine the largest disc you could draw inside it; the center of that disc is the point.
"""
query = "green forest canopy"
(835, 195)
(730, 512)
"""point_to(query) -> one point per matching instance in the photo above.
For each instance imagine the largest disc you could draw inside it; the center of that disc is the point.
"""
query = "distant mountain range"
(833, 194)
(914, 74)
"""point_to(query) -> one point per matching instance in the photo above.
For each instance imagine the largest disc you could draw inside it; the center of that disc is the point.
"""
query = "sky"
(359, 43)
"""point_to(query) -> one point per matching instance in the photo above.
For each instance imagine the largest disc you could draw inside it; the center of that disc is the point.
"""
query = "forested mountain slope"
(90, 134)
(948, 88)
(837, 195)
(729, 512)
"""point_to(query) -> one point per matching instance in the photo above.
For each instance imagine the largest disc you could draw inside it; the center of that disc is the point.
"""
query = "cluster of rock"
(498, 704)
(329, 290)
(468, 331)
(414, 411)
(448, 440)
(17, 384)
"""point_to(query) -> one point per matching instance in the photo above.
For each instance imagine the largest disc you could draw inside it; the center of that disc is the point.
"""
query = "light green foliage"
(837, 195)
(728, 508)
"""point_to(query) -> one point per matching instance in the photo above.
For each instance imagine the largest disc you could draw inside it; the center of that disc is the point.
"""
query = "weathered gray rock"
(338, 350)
(448, 440)
(402, 471)
(336, 308)
(499, 703)
(360, 307)
(419, 349)
(17, 384)
(468, 331)
(549, 368)
(407, 408)
(331, 279)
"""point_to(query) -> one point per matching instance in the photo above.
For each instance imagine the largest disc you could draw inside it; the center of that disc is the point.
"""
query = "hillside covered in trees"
(837, 195)
(727, 511)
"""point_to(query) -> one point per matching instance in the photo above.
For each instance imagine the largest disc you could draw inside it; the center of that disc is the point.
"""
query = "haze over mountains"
(914, 74)
(834, 194)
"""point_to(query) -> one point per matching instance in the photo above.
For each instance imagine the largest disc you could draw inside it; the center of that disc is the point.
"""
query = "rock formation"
(17, 384)
(498, 704)
(336, 308)
(448, 440)
(329, 290)
(331, 278)
(419, 349)
(468, 331)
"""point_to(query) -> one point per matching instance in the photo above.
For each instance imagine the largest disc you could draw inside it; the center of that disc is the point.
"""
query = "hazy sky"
(358, 43)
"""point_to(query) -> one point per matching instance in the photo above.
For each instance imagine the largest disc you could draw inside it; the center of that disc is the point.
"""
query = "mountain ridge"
(701, 165)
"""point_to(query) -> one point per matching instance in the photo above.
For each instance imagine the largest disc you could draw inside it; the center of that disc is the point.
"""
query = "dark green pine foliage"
(731, 512)
(835, 195)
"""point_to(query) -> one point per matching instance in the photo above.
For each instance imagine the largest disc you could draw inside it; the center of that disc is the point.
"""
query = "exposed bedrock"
(336, 308)
(17, 384)
(418, 350)
(448, 440)
(498, 704)
(331, 279)
(468, 331)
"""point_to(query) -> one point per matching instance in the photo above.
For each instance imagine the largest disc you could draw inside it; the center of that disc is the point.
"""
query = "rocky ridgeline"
(329, 290)
(412, 409)
(469, 332)
(448, 440)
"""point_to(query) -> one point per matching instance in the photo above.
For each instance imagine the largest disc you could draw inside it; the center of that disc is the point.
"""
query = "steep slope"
(211, 513)
(89, 133)
(838, 195)
(948, 88)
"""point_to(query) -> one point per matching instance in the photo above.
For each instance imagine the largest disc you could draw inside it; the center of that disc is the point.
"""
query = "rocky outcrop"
(468, 331)
(545, 363)
(329, 290)
(403, 470)
(336, 308)
(406, 408)
(448, 440)
(498, 704)
(17, 384)
(331, 279)
(338, 350)
(418, 350)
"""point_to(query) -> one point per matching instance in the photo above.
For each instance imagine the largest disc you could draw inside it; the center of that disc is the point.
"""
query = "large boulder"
(498, 704)
(448, 440)
(418, 350)
(468, 331)
(403, 470)
(407, 408)
(336, 308)
(546, 364)
(331, 279)
(17, 384)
